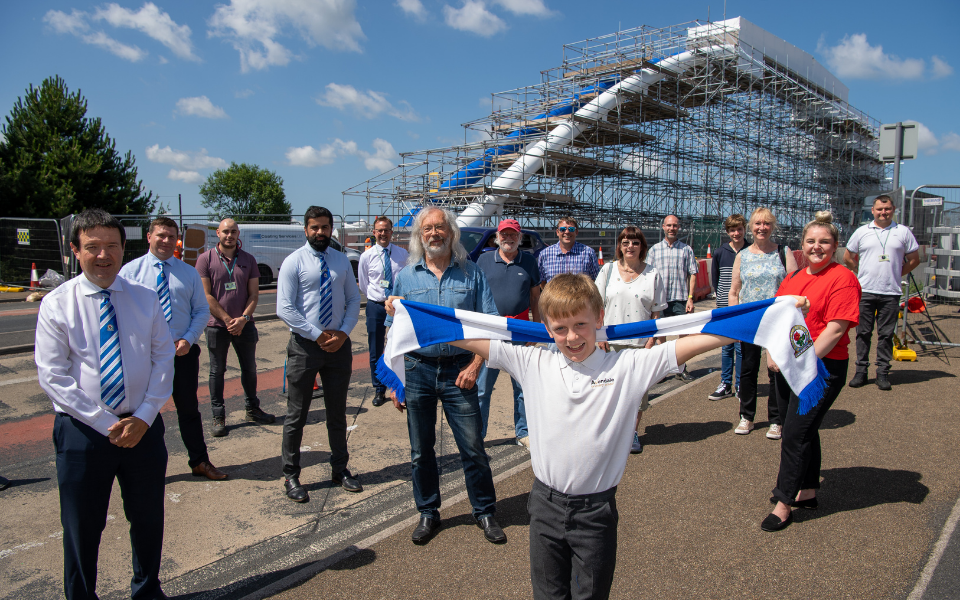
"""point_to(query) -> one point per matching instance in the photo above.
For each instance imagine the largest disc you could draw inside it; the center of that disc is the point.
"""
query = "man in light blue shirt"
(186, 311)
(318, 298)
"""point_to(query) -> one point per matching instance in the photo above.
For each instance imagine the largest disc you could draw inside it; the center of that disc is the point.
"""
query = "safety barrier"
(702, 287)
(25, 241)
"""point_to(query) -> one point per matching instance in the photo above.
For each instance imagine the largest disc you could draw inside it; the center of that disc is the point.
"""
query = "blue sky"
(327, 92)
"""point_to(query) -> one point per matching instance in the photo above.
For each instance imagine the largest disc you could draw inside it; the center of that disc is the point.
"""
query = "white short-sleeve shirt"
(581, 416)
(872, 243)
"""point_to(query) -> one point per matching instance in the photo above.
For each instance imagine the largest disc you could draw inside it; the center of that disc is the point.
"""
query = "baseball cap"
(508, 224)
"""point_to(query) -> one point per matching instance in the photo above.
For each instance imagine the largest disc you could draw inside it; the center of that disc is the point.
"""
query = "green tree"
(244, 190)
(55, 161)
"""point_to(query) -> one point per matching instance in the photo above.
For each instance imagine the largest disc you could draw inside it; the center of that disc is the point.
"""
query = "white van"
(269, 243)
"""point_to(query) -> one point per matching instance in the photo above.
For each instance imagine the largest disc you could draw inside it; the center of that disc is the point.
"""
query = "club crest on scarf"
(800, 339)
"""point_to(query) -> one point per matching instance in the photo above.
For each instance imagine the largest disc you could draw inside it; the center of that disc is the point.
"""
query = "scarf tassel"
(389, 379)
(811, 395)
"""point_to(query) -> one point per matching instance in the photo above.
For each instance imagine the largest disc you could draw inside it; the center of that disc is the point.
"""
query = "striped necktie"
(387, 268)
(326, 293)
(111, 362)
(163, 290)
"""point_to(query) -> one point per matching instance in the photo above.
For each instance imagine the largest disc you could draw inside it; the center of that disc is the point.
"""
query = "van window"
(527, 242)
(470, 239)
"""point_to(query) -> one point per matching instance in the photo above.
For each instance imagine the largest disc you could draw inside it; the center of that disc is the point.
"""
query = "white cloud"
(525, 7)
(163, 60)
(186, 176)
(200, 106)
(186, 161)
(368, 104)
(928, 143)
(151, 21)
(940, 67)
(76, 24)
(243, 93)
(414, 8)
(383, 158)
(474, 17)
(855, 58)
(252, 26)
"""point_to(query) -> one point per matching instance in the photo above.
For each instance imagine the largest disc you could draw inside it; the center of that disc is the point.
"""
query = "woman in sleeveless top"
(757, 273)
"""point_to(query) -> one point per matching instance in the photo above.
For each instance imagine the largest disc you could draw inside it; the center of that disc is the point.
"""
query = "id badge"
(385, 283)
(884, 258)
(230, 286)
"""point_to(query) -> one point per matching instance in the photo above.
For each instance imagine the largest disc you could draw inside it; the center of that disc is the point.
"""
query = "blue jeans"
(485, 382)
(726, 363)
(427, 381)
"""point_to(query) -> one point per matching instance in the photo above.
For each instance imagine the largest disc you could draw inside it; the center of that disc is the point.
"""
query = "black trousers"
(376, 332)
(186, 380)
(244, 345)
(751, 356)
(305, 359)
(800, 447)
(87, 464)
(883, 310)
(573, 543)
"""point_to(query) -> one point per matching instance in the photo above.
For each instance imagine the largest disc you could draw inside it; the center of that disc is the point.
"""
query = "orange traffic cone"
(34, 278)
(709, 255)
(316, 384)
(600, 256)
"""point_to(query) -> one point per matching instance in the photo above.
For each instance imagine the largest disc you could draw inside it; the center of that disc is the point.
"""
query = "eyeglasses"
(432, 228)
(628, 243)
(566, 229)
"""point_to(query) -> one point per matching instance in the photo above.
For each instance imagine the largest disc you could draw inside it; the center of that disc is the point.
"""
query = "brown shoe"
(209, 471)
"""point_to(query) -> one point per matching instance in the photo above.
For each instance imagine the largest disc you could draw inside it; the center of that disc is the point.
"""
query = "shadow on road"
(855, 488)
(661, 435)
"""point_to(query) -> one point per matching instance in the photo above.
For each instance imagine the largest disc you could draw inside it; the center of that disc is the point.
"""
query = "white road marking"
(20, 380)
(939, 548)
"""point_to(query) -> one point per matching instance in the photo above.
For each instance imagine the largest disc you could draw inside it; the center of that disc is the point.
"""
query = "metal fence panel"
(24, 242)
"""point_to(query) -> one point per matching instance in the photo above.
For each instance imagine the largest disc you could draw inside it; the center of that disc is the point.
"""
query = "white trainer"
(744, 427)
(775, 432)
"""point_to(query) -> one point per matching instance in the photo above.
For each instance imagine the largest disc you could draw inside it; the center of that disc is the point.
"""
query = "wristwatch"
(247, 317)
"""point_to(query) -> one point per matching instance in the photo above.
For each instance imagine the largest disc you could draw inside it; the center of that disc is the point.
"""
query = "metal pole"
(180, 202)
(898, 151)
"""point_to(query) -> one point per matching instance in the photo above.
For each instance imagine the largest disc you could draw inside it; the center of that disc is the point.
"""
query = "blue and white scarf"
(776, 324)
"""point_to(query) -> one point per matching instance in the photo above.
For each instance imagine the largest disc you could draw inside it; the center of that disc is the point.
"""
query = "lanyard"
(883, 243)
(231, 266)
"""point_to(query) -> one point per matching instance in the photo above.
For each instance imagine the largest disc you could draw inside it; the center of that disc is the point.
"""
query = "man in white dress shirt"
(105, 358)
(184, 303)
(318, 298)
(377, 273)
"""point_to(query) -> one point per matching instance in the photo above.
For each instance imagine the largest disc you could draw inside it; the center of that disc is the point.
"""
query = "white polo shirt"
(873, 244)
(581, 416)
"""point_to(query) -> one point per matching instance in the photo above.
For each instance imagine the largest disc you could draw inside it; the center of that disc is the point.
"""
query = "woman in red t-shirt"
(834, 294)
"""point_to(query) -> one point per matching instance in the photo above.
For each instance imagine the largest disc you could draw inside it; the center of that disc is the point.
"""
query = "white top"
(68, 351)
(298, 292)
(581, 416)
(630, 301)
(872, 244)
(370, 271)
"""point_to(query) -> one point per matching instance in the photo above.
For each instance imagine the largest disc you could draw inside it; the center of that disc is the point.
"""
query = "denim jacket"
(462, 286)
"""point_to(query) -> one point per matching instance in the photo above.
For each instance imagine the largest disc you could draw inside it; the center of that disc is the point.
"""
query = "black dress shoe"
(427, 528)
(295, 491)
(773, 522)
(684, 376)
(809, 503)
(4, 483)
(348, 481)
(491, 530)
(380, 398)
(256, 415)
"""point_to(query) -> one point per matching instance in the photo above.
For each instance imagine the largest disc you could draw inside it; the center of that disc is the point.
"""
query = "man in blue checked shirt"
(567, 255)
(186, 311)
(318, 298)
(105, 358)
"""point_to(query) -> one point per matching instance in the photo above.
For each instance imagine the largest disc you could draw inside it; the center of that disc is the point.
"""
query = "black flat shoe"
(427, 528)
(295, 491)
(348, 481)
(379, 399)
(773, 522)
(491, 530)
(809, 503)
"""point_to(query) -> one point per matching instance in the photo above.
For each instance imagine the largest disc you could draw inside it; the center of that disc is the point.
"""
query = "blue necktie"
(326, 293)
(387, 268)
(163, 290)
(111, 362)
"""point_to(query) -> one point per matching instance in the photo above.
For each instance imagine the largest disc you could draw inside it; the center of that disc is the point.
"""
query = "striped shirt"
(580, 259)
(722, 273)
(675, 263)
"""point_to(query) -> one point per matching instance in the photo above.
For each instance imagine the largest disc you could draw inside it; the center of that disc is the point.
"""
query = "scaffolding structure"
(752, 121)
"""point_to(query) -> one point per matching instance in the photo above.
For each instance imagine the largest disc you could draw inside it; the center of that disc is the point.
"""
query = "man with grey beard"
(439, 272)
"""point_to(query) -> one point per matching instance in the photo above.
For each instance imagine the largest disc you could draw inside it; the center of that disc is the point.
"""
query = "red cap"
(508, 224)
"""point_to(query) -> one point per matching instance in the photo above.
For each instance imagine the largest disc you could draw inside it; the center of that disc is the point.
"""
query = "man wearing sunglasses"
(567, 255)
